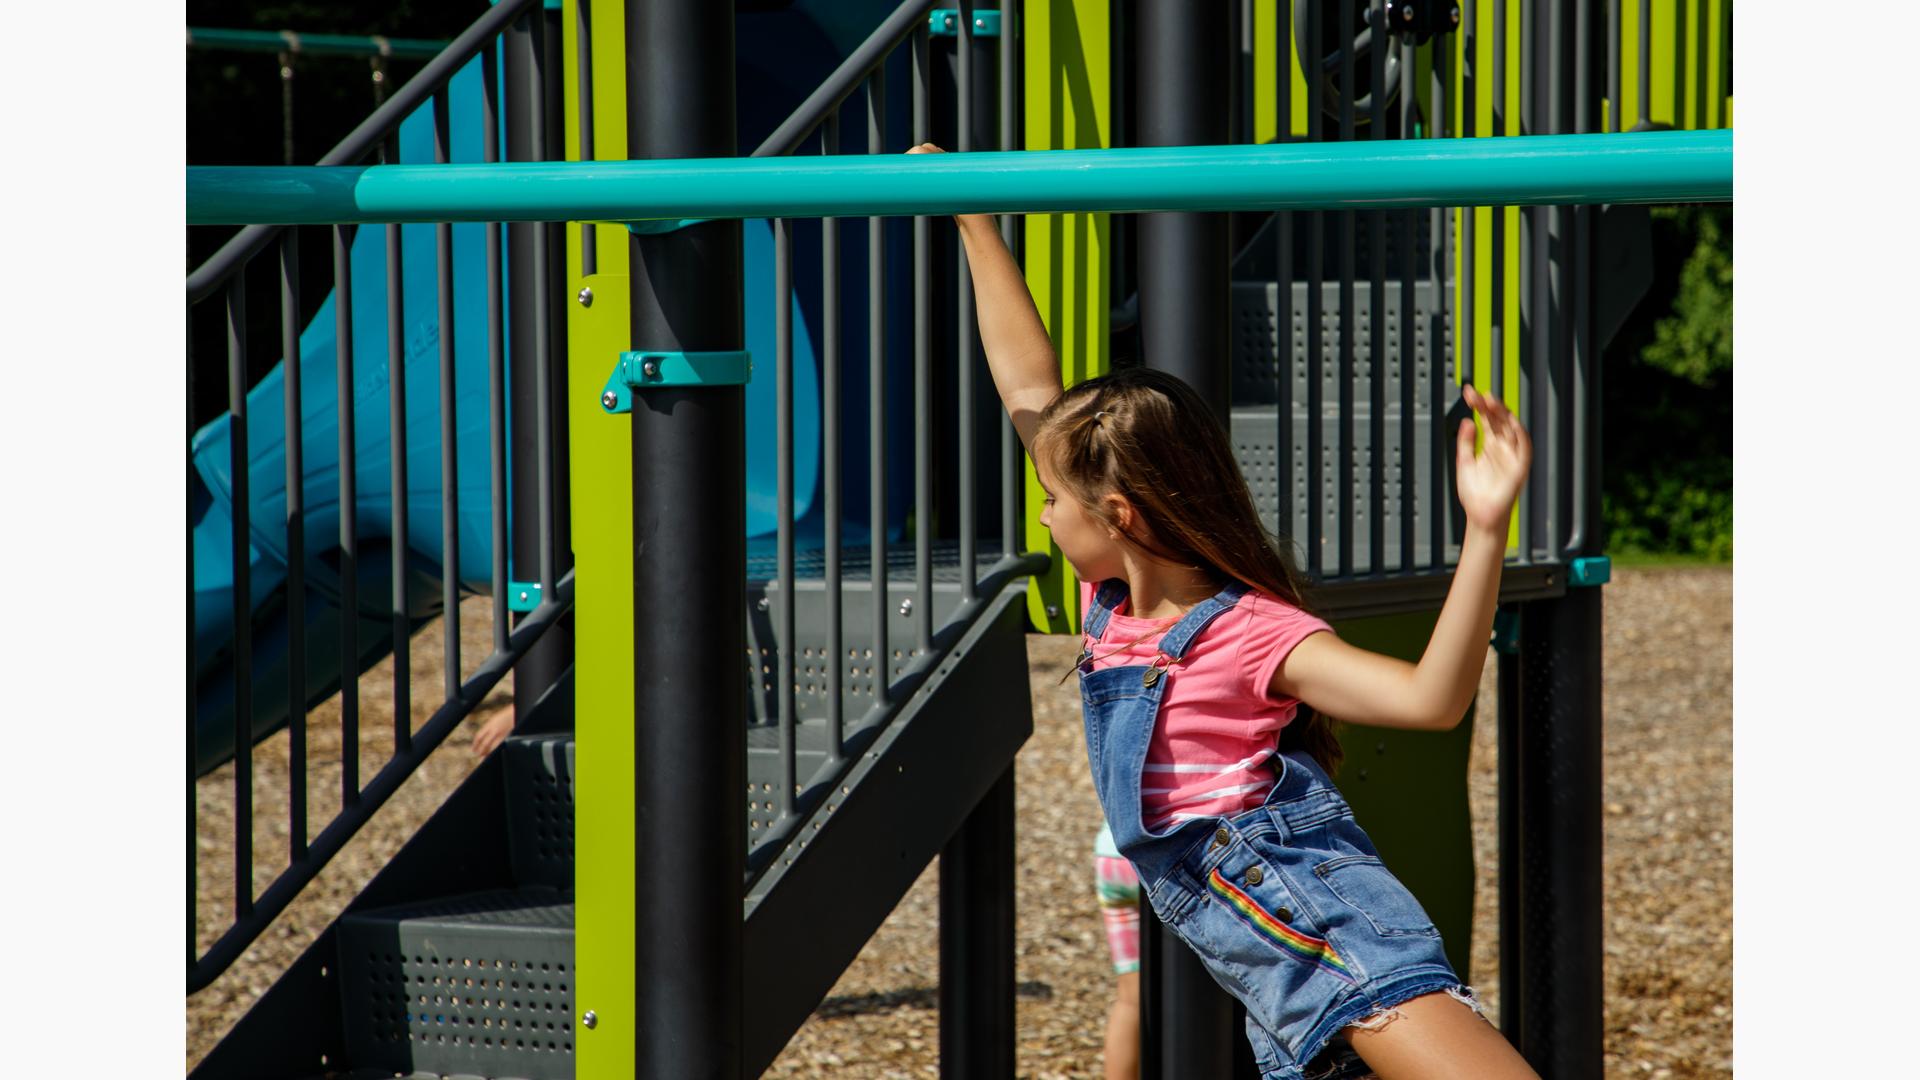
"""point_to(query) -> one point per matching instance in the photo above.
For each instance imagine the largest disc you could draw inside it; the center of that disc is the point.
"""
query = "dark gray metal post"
(1556, 979)
(976, 940)
(1181, 91)
(1180, 80)
(535, 132)
(689, 558)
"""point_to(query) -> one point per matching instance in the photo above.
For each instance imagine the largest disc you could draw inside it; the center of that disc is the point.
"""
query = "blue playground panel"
(781, 59)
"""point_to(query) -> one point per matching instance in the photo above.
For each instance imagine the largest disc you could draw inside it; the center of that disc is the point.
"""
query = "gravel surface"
(1668, 860)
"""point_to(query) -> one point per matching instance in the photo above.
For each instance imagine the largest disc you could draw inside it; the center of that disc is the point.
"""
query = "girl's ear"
(1121, 513)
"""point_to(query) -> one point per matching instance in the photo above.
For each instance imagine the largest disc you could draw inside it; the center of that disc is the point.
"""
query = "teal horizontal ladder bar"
(288, 41)
(1642, 167)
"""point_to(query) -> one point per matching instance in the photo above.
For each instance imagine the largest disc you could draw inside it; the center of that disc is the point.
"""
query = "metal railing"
(225, 276)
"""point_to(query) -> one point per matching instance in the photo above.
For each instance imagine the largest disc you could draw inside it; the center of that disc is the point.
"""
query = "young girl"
(1197, 655)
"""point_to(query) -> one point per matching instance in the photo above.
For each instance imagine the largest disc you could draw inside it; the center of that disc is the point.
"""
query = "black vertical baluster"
(1407, 468)
(402, 624)
(286, 108)
(496, 346)
(1613, 67)
(583, 42)
(397, 431)
(1535, 299)
(922, 371)
(1377, 305)
(449, 431)
(543, 237)
(242, 598)
(783, 471)
(1443, 347)
(1011, 479)
(1644, 69)
(1315, 70)
(1346, 511)
(296, 548)
(349, 542)
(1284, 358)
(964, 327)
(1497, 293)
(1575, 394)
(882, 670)
(193, 697)
(830, 445)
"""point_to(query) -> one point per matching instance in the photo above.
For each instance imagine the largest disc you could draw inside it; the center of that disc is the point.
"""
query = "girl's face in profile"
(1086, 541)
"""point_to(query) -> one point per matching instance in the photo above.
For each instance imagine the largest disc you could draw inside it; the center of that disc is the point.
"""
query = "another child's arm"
(1363, 687)
(1025, 369)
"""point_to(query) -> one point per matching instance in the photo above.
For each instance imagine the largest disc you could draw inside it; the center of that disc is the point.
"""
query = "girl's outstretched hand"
(1490, 482)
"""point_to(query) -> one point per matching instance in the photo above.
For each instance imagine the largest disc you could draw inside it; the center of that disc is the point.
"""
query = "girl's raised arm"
(1025, 369)
(1363, 687)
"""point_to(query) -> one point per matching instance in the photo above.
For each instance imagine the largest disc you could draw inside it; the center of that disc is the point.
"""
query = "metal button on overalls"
(1253, 875)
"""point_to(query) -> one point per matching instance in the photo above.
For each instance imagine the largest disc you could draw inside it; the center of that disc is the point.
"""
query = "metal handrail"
(1531, 170)
(294, 43)
(366, 137)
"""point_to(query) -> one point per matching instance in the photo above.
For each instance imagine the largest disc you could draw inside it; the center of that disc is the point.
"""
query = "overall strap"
(1105, 599)
(1175, 644)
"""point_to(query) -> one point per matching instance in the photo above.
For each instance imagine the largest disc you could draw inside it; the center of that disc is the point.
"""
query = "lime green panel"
(1266, 93)
(1069, 107)
(1409, 790)
(601, 456)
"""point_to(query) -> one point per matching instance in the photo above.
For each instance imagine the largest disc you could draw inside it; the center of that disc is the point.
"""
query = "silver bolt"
(979, 23)
(586, 297)
(523, 596)
(952, 22)
(1406, 13)
(590, 1020)
(651, 369)
(1363, 774)
(609, 399)
(906, 606)
(765, 603)
(1053, 611)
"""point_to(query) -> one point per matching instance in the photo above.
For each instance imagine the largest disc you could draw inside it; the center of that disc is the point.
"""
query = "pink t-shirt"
(1217, 728)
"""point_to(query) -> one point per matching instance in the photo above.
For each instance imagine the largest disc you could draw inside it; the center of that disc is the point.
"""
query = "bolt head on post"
(590, 1019)
(906, 606)
(586, 298)
(608, 400)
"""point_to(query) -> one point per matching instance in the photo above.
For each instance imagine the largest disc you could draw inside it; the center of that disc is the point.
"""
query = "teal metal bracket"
(1506, 632)
(1590, 571)
(523, 595)
(647, 370)
(663, 225)
(945, 22)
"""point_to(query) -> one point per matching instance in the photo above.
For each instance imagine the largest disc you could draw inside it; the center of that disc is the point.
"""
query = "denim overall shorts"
(1287, 904)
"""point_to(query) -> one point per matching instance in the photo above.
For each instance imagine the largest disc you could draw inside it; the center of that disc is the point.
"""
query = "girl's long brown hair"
(1147, 436)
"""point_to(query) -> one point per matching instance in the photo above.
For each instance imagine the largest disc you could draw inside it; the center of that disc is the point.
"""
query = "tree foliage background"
(1667, 387)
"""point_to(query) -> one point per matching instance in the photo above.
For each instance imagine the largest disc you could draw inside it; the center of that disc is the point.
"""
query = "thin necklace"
(1087, 655)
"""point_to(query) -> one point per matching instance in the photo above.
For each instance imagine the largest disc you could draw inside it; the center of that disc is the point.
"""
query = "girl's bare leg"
(1437, 1037)
(1123, 1029)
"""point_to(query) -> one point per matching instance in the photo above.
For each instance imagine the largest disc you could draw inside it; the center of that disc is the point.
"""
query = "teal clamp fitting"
(1590, 571)
(646, 370)
(1506, 632)
(945, 22)
(664, 225)
(523, 595)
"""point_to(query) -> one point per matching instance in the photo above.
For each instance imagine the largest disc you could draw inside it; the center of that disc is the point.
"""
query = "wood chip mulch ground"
(1668, 860)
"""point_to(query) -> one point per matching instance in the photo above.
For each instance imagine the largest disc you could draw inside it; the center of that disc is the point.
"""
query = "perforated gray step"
(540, 810)
(478, 984)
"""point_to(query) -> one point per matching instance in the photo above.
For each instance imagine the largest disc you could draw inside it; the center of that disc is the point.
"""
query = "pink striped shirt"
(1217, 728)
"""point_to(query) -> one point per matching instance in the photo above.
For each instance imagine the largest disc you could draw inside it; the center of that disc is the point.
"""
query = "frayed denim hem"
(1372, 1008)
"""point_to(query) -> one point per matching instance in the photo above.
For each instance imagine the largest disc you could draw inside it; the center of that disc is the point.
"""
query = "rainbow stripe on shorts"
(1276, 933)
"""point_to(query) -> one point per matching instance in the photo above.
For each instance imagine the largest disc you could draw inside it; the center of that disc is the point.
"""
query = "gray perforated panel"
(540, 809)
(478, 984)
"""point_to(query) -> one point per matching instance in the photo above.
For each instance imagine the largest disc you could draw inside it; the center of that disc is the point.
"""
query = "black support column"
(1188, 1023)
(1181, 95)
(689, 558)
(1551, 948)
(976, 941)
(531, 84)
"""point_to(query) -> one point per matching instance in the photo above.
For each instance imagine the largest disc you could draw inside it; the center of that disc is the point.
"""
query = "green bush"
(1667, 474)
